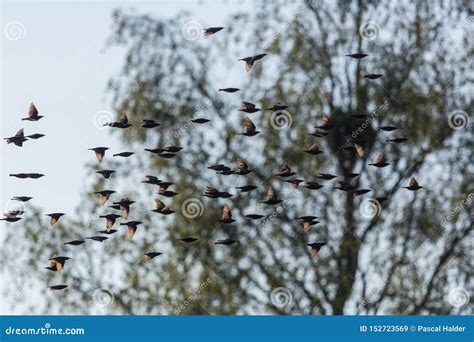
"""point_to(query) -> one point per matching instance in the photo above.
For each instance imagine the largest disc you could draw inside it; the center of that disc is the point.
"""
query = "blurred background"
(85, 63)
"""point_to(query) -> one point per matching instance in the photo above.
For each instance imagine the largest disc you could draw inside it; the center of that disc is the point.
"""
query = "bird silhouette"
(315, 247)
(250, 129)
(212, 30)
(313, 150)
(123, 154)
(132, 228)
(413, 185)
(272, 197)
(380, 161)
(18, 139)
(110, 220)
(99, 152)
(27, 175)
(357, 55)
(229, 90)
(242, 167)
(249, 61)
(246, 188)
(226, 216)
(248, 107)
(104, 195)
(106, 173)
(285, 171)
(121, 123)
(147, 123)
(225, 242)
(75, 242)
(124, 204)
(54, 217)
(33, 113)
(151, 255)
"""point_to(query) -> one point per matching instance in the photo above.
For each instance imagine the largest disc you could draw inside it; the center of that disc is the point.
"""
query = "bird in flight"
(33, 113)
(212, 30)
(229, 90)
(226, 216)
(248, 107)
(121, 123)
(106, 173)
(315, 247)
(147, 123)
(249, 61)
(226, 242)
(151, 255)
(110, 220)
(18, 139)
(104, 195)
(27, 175)
(373, 76)
(380, 161)
(272, 197)
(99, 152)
(132, 228)
(250, 129)
(413, 185)
(357, 55)
(54, 218)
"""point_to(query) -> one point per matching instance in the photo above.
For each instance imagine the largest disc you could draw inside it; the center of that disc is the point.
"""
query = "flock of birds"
(286, 174)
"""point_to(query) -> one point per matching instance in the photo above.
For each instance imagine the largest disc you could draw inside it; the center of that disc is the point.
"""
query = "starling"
(112, 231)
(35, 136)
(122, 123)
(325, 176)
(360, 150)
(388, 128)
(226, 215)
(99, 152)
(314, 150)
(313, 185)
(315, 247)
(188, 239)
(246, 188)
(124, 204)
(161, 208)
(104, 195)
(357, 55)
(22, 198)
(295, 182)
(250, 130)
(27, 175)
(249, 61)
(380, 162)
(350, 175)
(55, 217)
(325, 123)
(33, 113)
(307, 224)
(307, 218)
(242, 167)
(345, 186)
(74, 242)
(57, 263)
(226, 242)
(319, 134)
(151, 180)
(57, 287)
(372, 76)
(14, 213)
(248, 107)
(146, 123)
(397, 140)
(229, 90)
(254, 216)
(151, 255)
(110, 220)
(105, 173)
(200, 121)
(272, 197)
(11, 219)
(211, 30)
(18, 139)
(123, 154)
(359, 192)
(285, 171)
(279, 106)
(214, 193)
(172, 149)
(132, 227)
(98, 238)
(413, 185)
(164, 192)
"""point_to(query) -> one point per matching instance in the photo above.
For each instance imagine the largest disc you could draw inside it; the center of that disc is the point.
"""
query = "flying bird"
(380, 161)
(249, 61)
(373, 76)
(151, 255)
(248, 107)
(22, 198)
(242, 167)
(397, 140)
(75, 242)
(57, 287)
(272, 197)
(357, 55)
(200, 121)
(163, 190)
(295, 182)
(250, 129)
(162, 208)
(211, 30)
(106, 173)
(255, 216)
(110, 220)
(123, 154)
(125, 204)
(246, 188)
(33, 113)
(315, 247)
(121, 123)
(57, 263)
(147, 123)
(313, 185)
(326, 124)
(226, 242)
(285, 171)
(413, 185)
(325, 176)
(35, 136)
(214, 193)
(229, 90)
(314, 150)
(54, 217)
(132, 227)
(359, 192)
(151, 180)
(27, 175)
(18, 139)
(99, 152)
(388, 128)
(226, 215)
(98, 238)
(279, 106)
(104, 195)
(188, 239)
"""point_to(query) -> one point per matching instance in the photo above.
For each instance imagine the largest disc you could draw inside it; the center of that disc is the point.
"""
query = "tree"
(411, 254)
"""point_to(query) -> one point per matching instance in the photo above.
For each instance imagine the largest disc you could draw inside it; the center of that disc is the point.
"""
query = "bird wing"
(226, 214)
(271, 193)
(32, 111)
(360, 150)
(325, 120)
(123, 118)
(124, 211)
(285, 168)
(53, 220)
(413, 182)
(247, 105)
(381, 158)
(159, 204)
(241, 165)
(20, 133)
(249, 126)
(131, 231)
